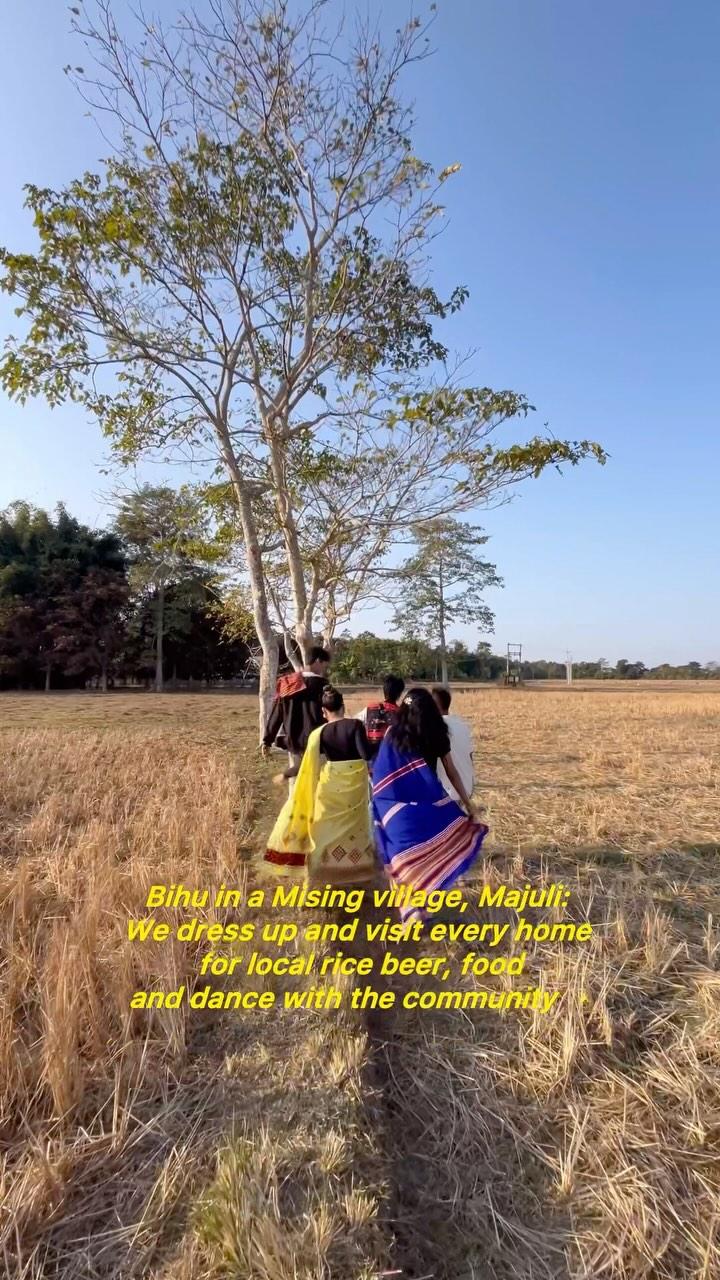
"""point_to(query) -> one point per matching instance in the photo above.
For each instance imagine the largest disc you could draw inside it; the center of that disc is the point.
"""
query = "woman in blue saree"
(426, 839)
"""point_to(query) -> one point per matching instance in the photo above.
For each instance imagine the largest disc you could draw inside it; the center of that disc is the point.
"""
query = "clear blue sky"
(586, 224)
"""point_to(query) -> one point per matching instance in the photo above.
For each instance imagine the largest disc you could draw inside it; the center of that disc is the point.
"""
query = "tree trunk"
(329, 627)
(159, 624)
(303, 631)
(104, 675)
(268, 676)
(48, 668)
(267, 639)
(292, 652)
(441, 624)
(305, 641)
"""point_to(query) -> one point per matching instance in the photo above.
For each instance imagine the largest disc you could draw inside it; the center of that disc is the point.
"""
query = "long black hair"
(419, 729)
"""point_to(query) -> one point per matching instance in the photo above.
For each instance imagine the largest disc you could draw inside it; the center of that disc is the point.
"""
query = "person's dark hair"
(318, 654)
(392, 688)
(443, 697)
(332, 699)
(419, 728)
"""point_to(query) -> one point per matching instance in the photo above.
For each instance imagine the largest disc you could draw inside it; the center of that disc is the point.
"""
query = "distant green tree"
(201, 647)
(90, 623)
(367, 658)
(167, 535)
(488, 665)
(625, 670)
(442, 584)
(63, 595)
(587, 670)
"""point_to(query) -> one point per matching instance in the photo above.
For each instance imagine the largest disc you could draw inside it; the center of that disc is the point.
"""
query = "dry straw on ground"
(118, 1128)
(457, 1146)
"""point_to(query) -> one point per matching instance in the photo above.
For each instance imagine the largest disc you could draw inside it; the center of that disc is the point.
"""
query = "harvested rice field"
(354, 1144)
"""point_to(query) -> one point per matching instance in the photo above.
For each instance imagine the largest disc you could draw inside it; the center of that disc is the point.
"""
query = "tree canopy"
(167, 536)
(63, 590)
(247, 278)
(443, 582)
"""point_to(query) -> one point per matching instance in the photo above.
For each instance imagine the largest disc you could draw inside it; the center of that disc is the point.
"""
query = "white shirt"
(461, 750)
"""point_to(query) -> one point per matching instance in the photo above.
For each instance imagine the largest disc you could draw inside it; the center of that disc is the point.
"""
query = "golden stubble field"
(286, 1146)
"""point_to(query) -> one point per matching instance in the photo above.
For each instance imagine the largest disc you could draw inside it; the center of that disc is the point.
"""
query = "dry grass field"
(454, 1145)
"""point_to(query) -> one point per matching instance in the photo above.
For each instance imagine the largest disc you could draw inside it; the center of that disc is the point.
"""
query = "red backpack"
(378, 718)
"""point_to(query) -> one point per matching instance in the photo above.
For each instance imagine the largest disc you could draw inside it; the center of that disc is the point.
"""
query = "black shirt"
(297, 715)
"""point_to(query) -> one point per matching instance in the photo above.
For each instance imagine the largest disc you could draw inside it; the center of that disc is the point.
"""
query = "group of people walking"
(393, 782)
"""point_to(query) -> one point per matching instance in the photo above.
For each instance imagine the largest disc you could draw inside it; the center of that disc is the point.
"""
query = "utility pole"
(513, 671)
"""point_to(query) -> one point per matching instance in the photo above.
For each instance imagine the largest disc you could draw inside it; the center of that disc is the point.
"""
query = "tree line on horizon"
(367, 657)
(145, 602)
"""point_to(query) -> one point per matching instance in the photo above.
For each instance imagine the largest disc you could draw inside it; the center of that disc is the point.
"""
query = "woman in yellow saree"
(323, 831)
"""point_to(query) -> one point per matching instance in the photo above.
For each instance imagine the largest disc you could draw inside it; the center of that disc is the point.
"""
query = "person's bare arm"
(456, 781)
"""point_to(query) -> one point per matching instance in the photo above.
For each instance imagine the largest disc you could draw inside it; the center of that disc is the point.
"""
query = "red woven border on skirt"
(285, 859)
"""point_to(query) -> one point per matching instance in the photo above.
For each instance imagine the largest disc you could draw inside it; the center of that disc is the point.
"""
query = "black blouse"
(345, 740)
(340, 740)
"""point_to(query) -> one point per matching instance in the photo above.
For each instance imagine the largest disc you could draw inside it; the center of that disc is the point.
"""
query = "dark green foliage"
(368, 659)
(171, 549)
(63, 593)
(78, 606)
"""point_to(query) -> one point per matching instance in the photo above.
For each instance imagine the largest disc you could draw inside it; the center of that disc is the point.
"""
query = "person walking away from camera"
(378, 716)
(297, 709)
(323, 831)
(426, 839)
(461, 745)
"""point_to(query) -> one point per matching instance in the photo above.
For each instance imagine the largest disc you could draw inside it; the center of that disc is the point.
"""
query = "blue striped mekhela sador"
(425, 839)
